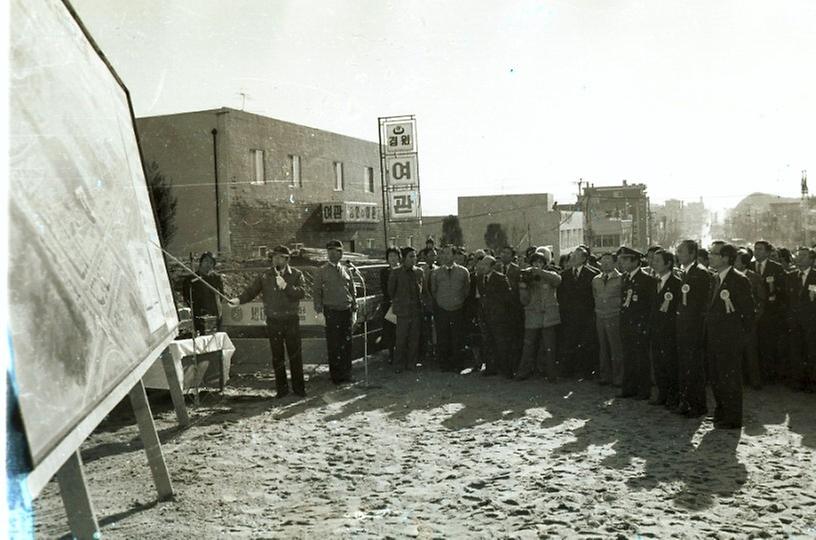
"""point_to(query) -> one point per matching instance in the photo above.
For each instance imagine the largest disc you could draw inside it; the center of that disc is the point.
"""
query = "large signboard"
(403, 205)
(400, 168)
(90, 299)
(350, 212)
(399, 137)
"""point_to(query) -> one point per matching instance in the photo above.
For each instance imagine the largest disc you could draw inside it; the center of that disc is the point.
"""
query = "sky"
(708, 98)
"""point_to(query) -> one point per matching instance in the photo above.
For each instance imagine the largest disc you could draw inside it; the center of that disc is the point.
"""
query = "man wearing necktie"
(578, 341)
(495, 299)
(802, 321)
(729, 319)
(663, 330)
(695, 293)
(771, 322)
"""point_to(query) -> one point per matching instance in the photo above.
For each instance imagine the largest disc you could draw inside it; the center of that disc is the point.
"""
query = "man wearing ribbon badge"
(728, 320)
(638, 294)
(691, 309)
(663, 330)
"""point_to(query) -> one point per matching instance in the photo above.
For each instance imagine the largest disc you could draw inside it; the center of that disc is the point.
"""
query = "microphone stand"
(359, 274)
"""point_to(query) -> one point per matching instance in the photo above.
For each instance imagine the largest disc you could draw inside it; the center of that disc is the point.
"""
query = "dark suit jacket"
(800, 307)
(774, 281)
(729, 329)
(512, 271)
(641, 290)
(691, 316)
(575, 298)
(405, 290)
(663, 324)
(495, 298)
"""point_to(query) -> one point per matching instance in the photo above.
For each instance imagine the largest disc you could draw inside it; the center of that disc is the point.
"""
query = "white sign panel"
(403, 205)
(350, 212)
(399, 137)
(401, 172)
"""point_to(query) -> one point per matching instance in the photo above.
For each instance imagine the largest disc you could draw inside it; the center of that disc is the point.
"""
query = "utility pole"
(804, 209)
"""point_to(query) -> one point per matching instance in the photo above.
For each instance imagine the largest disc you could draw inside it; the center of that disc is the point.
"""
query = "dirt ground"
(436, 455)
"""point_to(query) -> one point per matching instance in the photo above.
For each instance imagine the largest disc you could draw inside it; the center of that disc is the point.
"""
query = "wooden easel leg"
(176, 392)
(76, 499)
(150, 439)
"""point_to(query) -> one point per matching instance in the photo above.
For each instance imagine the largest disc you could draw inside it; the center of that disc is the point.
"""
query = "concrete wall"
(527, 219)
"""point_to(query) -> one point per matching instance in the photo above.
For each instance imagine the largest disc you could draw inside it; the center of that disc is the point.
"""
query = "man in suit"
(750, 356)
(405, 290)
(729, 318)
(691, 309)
(637, 294)
(578, 340)
(802, 320)
(495, 300)
(663, 330)
(509, 268)
(606, 291)
(771, 322)
(334, 297)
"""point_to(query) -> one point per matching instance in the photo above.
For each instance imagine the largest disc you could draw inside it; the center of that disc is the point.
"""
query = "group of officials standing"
(673, 322)
(661, 326)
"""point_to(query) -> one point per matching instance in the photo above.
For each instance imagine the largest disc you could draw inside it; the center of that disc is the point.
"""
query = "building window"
(257, 157)
(411, 241)
(370, 243)
(294, 172)
(338, 176)
(368, 179)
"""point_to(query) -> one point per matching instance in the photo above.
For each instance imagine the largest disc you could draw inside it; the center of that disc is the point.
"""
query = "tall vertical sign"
(399, 170)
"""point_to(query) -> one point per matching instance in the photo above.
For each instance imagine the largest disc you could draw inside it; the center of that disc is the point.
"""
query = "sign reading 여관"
(399, 137)
(401, 172)
(403, 205)
(350, 212)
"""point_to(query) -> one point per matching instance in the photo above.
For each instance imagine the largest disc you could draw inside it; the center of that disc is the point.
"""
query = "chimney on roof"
(624, 183)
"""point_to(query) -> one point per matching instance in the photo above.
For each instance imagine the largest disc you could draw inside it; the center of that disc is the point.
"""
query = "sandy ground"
(433, 455)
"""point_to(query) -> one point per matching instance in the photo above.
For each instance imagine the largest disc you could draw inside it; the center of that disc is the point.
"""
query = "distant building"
(608, 210)
(676, 220)
(246, 183)
(527, 220)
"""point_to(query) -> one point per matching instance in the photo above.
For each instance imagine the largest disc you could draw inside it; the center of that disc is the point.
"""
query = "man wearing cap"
(282, 288)
(695, 291)
(334, 296)
(729, 319)
(638, 290)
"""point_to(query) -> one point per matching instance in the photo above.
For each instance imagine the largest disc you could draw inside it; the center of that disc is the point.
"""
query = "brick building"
(608, 208)
(245, 183)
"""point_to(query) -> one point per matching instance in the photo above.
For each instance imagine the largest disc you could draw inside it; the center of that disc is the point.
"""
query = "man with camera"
(537, 287)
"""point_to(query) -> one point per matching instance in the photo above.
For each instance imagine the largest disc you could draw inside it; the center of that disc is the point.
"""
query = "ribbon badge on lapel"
(668, 297)
(628, 300)
(726, 297)
(771, 292)
(685, 290)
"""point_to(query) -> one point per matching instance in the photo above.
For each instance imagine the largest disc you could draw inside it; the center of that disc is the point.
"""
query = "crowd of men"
(661, 326)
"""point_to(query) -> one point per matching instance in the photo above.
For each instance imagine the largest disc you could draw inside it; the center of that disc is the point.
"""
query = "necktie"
(605, 278)
(575, 273)
(762, 268)
(717, 283)
(802, 277)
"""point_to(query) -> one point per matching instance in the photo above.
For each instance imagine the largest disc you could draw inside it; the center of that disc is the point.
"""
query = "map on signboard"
(89, 296)
(399, 137)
